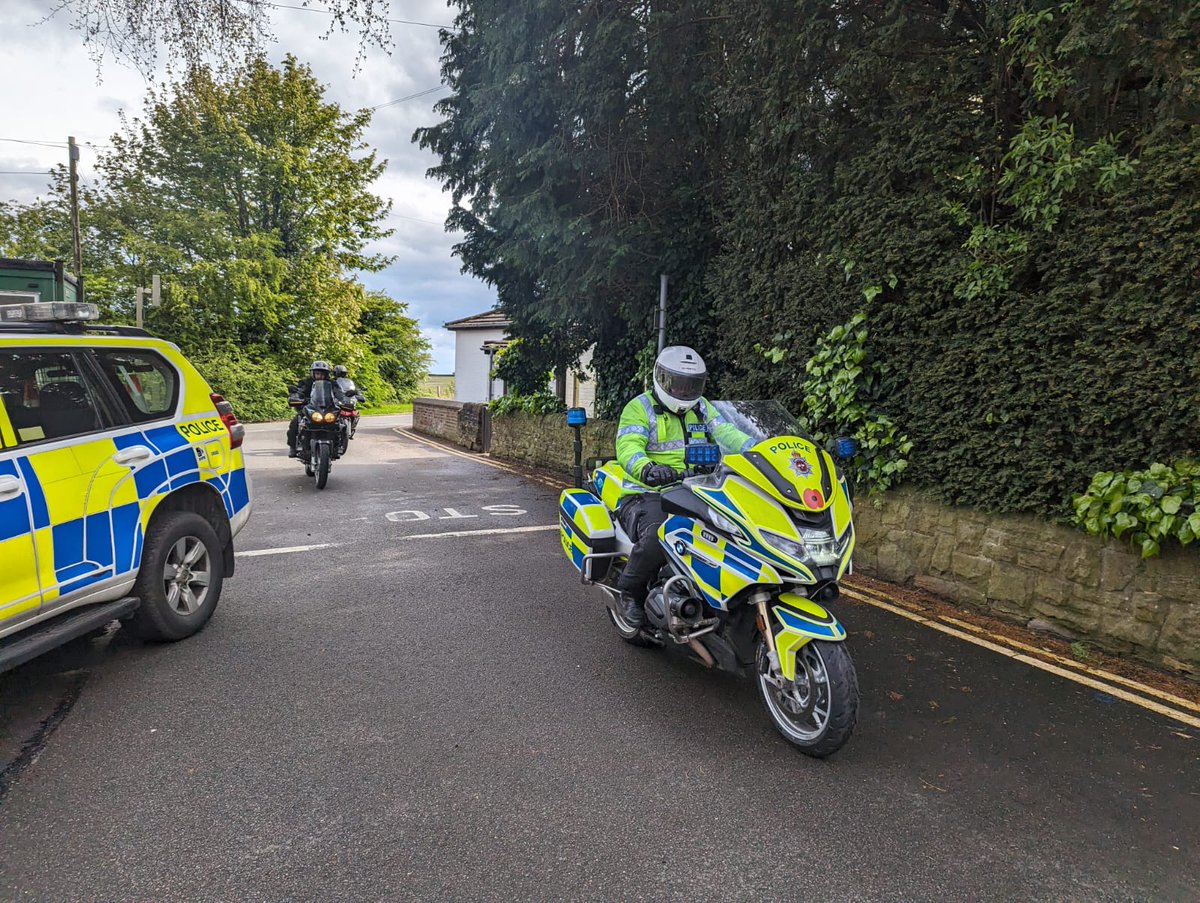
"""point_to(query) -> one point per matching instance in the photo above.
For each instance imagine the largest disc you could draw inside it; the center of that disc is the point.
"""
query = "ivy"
(1151, 506)
(842, 395)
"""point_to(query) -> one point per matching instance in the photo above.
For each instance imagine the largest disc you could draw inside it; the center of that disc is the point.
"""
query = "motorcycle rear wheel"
(817, 711)
(322, 465)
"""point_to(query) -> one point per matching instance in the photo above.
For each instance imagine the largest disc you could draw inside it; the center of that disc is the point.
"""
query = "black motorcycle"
(319, 442)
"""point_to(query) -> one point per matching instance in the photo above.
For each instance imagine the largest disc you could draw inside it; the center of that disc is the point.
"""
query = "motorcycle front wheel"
(816, 711)
(322, 464)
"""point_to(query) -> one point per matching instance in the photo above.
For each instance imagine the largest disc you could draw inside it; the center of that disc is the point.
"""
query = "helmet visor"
(683, 386)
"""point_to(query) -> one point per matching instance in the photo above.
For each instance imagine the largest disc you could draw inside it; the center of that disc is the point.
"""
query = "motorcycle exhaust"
(706, 658)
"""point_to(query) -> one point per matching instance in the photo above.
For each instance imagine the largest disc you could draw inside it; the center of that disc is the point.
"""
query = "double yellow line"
(1150, 698)
(1174, 707)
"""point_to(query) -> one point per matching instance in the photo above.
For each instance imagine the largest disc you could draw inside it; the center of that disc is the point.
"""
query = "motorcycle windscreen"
(321, 395)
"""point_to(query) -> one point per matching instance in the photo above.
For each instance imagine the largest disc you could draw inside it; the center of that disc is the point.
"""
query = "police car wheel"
(180, 578)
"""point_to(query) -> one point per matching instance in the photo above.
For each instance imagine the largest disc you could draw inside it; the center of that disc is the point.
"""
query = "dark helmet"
(319, 366)
(340, 371)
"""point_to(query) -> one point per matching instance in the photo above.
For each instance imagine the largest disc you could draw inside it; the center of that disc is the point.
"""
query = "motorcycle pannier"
(586, 528)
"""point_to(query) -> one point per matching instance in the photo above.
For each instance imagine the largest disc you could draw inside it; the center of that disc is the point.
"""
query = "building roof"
(491, 319)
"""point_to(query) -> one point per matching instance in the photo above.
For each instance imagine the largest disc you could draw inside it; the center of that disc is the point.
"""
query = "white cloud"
(66, 97)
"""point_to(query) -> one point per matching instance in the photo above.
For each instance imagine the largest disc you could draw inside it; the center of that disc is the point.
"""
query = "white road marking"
(256, 553)
(496, 532)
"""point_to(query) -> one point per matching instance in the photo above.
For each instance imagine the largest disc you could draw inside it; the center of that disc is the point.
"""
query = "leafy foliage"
(842, 395)
(252, 197)
(1151, 505)
(140, 32)
(255, 384)
(1010, 187)
(525, 366)
(538, 403)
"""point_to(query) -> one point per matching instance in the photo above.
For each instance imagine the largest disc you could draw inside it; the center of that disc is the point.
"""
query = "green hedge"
(256, 386)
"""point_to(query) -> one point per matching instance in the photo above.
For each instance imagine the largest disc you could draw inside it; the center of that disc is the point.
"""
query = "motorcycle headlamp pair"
(318, 417)
(817, 547)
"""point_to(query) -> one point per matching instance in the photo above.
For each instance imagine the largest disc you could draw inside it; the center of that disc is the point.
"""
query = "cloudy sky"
(61, 94)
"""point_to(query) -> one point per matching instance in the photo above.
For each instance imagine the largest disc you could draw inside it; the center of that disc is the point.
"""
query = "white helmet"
(679, 378)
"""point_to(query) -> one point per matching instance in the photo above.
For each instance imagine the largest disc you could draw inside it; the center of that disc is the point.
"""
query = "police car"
(122, 482)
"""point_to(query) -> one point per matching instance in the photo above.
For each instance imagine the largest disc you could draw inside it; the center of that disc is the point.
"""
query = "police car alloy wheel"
(180, 579)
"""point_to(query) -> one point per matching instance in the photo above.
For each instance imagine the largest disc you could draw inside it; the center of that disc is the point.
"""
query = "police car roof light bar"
(48, 312)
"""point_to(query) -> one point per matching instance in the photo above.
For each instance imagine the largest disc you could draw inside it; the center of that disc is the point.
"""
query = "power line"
(30, 141)
(23, 172)
(52, 143)
(326, 12)
(392, 103)
(416, 219)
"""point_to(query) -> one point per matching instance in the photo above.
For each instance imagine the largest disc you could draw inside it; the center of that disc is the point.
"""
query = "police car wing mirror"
(702, 454)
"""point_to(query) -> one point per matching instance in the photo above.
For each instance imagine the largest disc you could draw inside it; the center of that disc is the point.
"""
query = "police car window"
(146, 384)
(46, 397)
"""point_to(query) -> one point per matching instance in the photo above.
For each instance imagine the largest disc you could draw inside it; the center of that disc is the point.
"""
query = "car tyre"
(180, 578)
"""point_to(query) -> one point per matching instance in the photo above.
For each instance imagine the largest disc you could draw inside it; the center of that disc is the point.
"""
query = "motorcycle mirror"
(845, 447)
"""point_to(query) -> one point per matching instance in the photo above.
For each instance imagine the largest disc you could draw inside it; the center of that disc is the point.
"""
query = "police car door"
(54, 414)
(20, 592)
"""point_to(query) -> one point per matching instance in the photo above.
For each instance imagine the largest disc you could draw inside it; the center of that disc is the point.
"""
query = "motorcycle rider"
(319, 370)
(352, 394)
(653, 431)
(340, 373)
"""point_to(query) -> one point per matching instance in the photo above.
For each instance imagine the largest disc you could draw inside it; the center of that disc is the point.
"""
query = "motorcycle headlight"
(817, 547)
(329, 418)
(317, 416)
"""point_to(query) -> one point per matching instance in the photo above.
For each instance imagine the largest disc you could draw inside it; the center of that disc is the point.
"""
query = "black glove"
(659, 474)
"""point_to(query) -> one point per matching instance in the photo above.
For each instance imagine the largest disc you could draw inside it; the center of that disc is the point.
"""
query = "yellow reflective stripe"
(8, 439)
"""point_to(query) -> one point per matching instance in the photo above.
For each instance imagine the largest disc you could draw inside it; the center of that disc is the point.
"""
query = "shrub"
(539, 403)
(1151, 505)
(255, 385)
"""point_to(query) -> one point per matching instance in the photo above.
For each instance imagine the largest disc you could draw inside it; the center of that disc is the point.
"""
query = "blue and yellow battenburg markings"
(583, 520)
(82, 517)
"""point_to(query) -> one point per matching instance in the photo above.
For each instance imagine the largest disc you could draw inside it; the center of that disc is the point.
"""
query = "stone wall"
(1026, 568)
(1014, 566)
(547, 441)
(457, 421)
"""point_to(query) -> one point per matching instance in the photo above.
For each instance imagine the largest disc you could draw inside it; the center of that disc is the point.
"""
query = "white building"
(472, 363)
(478, 338)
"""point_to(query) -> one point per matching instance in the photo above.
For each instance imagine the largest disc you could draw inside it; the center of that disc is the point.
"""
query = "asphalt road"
(452, 718)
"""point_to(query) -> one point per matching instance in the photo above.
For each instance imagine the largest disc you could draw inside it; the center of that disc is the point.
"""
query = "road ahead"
(408, 714)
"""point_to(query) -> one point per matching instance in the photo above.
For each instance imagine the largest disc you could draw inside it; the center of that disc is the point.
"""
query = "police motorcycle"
(319, 442)
(756, 541)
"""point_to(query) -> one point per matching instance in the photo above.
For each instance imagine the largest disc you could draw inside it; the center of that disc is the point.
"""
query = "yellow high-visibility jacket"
(649, 433)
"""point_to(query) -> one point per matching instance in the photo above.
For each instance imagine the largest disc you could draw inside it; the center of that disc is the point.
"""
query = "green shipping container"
(23, 281)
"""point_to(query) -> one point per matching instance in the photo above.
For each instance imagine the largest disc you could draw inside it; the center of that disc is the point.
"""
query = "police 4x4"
(122, 482)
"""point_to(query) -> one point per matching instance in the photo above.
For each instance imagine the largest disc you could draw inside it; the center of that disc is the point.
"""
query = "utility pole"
(662, 311)
(155, 299)
(76, 246)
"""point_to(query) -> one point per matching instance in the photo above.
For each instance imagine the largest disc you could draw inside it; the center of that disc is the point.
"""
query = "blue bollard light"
(576, 417)
(846, 447)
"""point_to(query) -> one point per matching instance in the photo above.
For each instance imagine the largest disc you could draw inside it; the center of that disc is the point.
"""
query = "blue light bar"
(576, 417)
